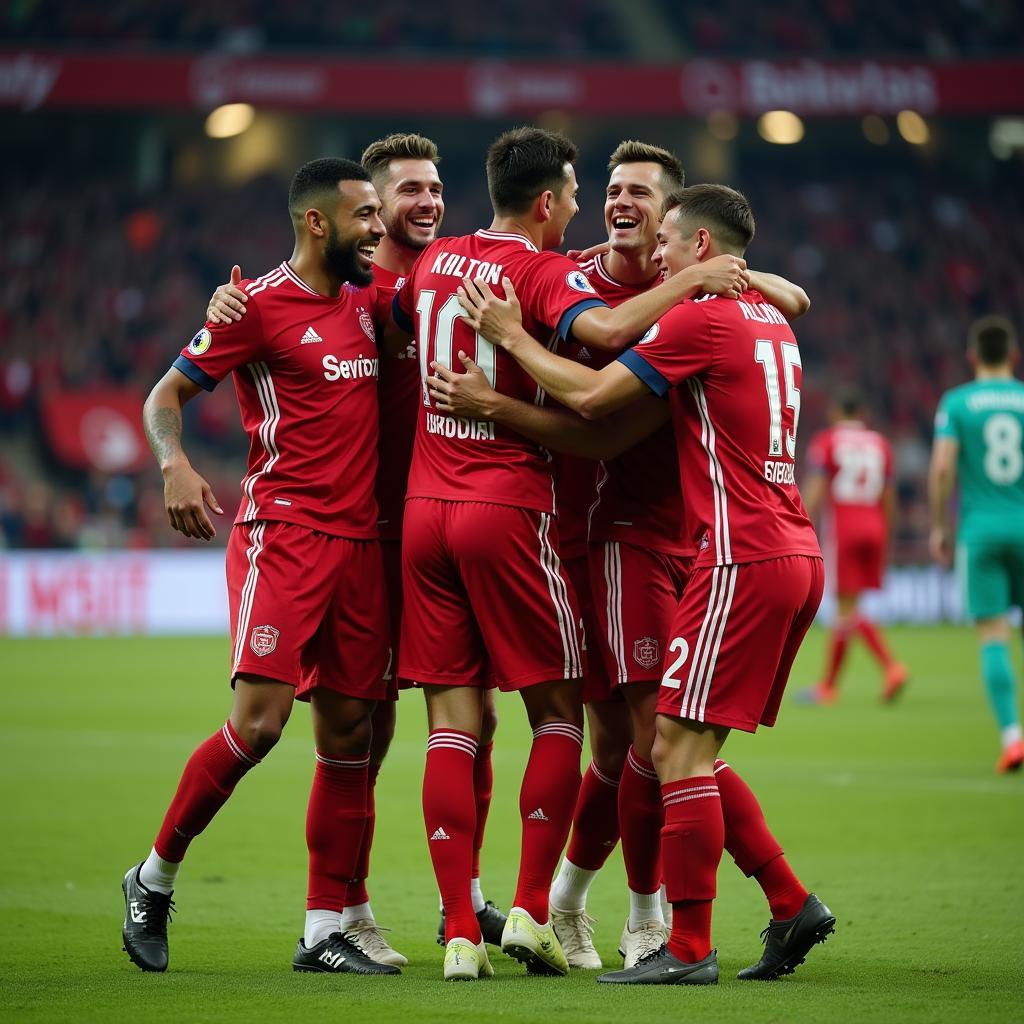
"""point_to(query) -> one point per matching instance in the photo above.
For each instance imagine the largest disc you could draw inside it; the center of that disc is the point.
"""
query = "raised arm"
(790, 299)
(185, 491)
(941, 479)
(469, 395)
(615, 329)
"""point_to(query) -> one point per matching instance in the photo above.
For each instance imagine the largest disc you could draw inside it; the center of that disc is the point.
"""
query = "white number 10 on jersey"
(444, 338)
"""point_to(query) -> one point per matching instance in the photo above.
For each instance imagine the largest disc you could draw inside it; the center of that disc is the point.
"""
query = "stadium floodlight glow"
(875, 129)
(1006, 137)
(230, 119)
(781, 127)
(913, 127)
(723, 125)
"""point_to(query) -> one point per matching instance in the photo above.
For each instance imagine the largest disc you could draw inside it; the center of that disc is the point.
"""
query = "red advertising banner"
(40, 79)
(96, 430)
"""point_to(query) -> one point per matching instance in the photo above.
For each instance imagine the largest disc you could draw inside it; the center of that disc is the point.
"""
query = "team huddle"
(478, 464)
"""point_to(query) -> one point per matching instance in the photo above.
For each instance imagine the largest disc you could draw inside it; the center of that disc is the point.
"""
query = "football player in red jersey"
(732, 373)
(305, 581)
(851, 478)
(638, 566)
(482, 565)
(403, 169)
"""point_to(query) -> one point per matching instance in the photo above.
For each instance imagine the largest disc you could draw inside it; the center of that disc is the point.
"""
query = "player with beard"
(403, 169)
(630, 511)
(308, 611)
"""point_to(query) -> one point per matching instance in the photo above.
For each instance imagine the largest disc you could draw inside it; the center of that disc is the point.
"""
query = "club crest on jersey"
(646, 652)
(201, 342)
(263, 640)
(366, 322)
(651, 334)
(578, 280)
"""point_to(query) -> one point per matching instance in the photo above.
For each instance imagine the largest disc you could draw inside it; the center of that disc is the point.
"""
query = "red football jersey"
(733, 370)
(305, 372)
(638, 497)
(457, 459)
(400, 390)
(857, 463)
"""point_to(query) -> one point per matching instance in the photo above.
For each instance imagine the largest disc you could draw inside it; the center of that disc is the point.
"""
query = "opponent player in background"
(638, 567)
(979, 445)
(403, 169)
(482, 569)
(851, 489)
(732, 370)
(305, 581)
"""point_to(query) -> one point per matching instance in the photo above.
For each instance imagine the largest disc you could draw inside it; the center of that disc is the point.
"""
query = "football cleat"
(146, 914)
(490, 919)
(787, 943)
(337, 955)
(466, 961)
(575, 931)
(533, 944)
(1012, 758)
(368, 936)
(647, 939)
(896, 677)
(819, 694)
(660, 967)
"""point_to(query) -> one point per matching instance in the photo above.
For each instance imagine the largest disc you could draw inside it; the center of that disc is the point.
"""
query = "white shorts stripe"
(712, 641)
(698, 647)
(733, 572)
(549, 561)
(613, 607)
(248, 592)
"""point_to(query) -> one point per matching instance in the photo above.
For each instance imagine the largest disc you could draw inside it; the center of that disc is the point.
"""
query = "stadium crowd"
(106, 290)
(938, 29)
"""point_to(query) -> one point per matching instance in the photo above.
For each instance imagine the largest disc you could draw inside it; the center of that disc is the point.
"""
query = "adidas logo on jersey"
(439, 833)
(310, 337)
(537, 815)
(583, 355)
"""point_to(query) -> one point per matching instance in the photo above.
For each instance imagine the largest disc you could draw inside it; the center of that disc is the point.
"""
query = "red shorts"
(859, 564)
(734, 637)
(486, 597)
(636, 592)
(391, 556)
(596, 686)
(307, 609)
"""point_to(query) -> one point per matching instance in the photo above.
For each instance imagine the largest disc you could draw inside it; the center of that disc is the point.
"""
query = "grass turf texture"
(891, 814)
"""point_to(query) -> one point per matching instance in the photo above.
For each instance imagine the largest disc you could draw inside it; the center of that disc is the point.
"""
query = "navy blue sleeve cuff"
(565, 324)
(398, 314)
(635, 363)
(194, 374)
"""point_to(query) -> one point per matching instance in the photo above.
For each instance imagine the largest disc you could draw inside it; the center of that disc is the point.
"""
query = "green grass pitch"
(893, 815)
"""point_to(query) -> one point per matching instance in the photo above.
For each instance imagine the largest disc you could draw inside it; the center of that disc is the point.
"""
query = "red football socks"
(640, 817)
(838, 644)
(548, 796)
(595, 820)
(209, 778)
(449, 813)
(483, 788)
(692, 841)
(873, 638)
(335, 822)
(357, 894)
(756, 851)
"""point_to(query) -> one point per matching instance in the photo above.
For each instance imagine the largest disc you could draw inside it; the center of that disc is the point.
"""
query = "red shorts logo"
(263, 640)
(646, 652)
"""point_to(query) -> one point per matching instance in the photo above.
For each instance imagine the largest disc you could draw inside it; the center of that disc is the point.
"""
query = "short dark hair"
(992, 338)
(633, 152)
(523, 163)
(722, 210)
(377, 156)
(318, 180)
(850, 402)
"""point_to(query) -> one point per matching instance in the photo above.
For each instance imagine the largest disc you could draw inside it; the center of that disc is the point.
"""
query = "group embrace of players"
(573, 480)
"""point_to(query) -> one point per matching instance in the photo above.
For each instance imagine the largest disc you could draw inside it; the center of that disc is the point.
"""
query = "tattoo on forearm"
(163, 431)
